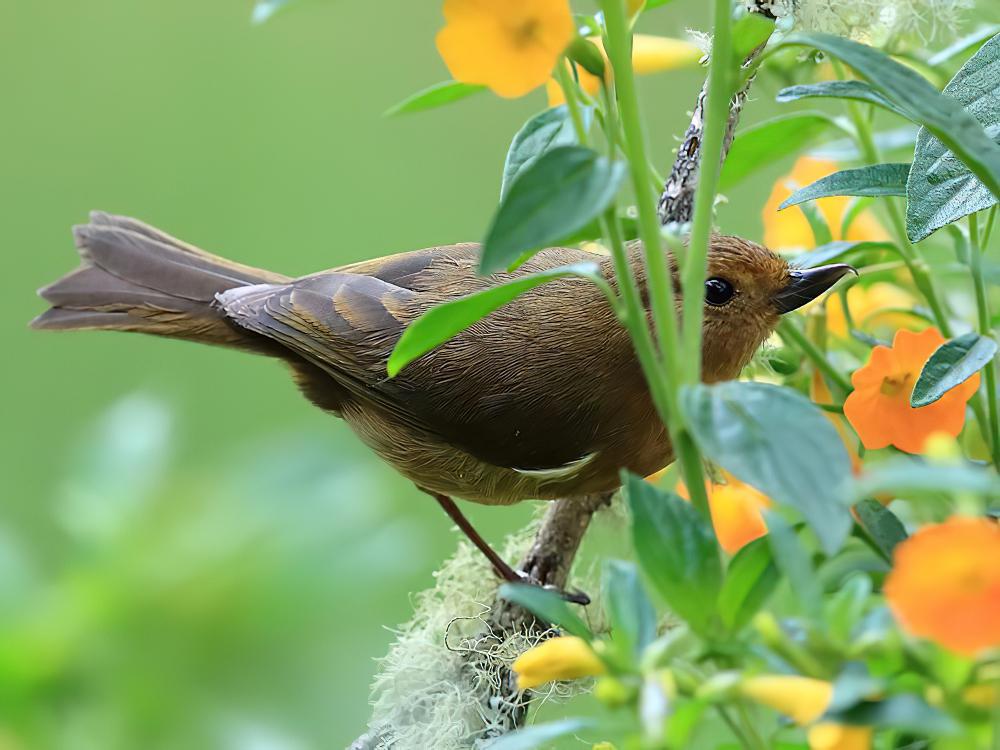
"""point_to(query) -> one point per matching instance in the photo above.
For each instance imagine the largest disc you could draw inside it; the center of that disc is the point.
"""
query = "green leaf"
(651, 4)
(899, 140)
(677, 550)
(964, 44)
(437, 95)
(586, 54)
(942, 116)
(942, 189)
(776, 440)
(950, 365)
(795, 565)
(910, 477)
(551, 198)
(543, 132)
(872, 181)
(264, 9)
(750, 579)
(833, 251)
(761, 145)
(853, 685)
(546, 605)
(751, 31)
(881, 525)
(908, 713)
(630, 613)
(858, 90)
(440, 323)
(530, 738)
(817, 223)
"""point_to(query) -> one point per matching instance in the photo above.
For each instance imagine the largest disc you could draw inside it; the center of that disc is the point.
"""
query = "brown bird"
(542, 399)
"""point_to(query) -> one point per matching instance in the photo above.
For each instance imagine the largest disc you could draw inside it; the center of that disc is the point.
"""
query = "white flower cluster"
(874, 22)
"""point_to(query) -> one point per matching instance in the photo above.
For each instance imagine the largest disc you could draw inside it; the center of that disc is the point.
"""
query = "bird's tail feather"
(135, 278)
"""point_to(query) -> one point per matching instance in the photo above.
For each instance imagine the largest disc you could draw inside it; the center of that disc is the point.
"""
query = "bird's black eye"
(718, 291)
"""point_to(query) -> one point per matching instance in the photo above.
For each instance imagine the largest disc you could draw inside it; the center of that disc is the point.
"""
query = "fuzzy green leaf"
(908, 477)
(556, 195)
(440, 323)
(905, 712)
(437, 95)
(543, 132)
(546, 605)
(881, 525)
(872, 181)
(858, 90)
(761, 145)
(792, 559)
(677, 550)
(778, 441)
(535, 736)
(630, 613)
(952, 364)
(750, 579)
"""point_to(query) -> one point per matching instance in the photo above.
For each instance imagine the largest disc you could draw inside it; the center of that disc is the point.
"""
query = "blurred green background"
(191, 556)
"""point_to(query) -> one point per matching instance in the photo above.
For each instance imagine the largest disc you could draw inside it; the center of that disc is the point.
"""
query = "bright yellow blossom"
(562, 658)
(830, 736)
(789, 229)
(945, 584)
(650, 54)
(802, 699)
(510, 46)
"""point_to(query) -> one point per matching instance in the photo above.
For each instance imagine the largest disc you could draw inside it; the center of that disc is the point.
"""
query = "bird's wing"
(524, 388)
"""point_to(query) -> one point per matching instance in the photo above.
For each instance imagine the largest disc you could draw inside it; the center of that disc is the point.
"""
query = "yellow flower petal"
(563, 658)
(829, 736)
(802, 699)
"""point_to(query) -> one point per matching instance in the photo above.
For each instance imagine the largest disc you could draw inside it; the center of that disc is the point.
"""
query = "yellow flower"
(650, 54)
(867, 303)
(830, 736)
(736, 509)
(879, 406)
(789, 229)
(802, 699)
(562, 658)
(945, 584)
(510, 46)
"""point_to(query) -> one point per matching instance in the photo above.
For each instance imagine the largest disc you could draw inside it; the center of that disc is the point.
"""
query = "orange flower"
(510, 46)
(650, 54)
(736, 510)
(789, 230)
(879, 406)
(945, 584)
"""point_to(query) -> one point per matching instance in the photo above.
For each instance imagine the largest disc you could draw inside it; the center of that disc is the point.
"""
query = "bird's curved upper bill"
(805, 285)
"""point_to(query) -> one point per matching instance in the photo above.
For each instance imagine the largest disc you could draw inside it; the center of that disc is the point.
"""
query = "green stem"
(716, 116)
(792, 335)
(985, 329)
(734, 727)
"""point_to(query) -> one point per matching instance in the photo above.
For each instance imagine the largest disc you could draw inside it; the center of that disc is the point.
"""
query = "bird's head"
(747, 289)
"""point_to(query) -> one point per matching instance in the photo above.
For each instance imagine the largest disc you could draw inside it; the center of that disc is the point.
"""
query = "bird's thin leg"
(505, 571)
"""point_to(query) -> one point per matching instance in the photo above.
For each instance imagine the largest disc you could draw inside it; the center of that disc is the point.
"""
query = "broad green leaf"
(546, 605)
(677, 550)
(440, 323)
(899, 140)
(880, 524)
(778, 441)
(630, 613)
(905, 712)
(535, 736)
(761, 145)
(792, 559)
(964, 44)
(905, 476)
(858, 90)
(750, 579)
(942, 189)
(264, 9)
(553, 197)
(941, 115)
(749, 33)
(543, 132)
(853, 685)
(437, 95)
(952, 364)
(875, 180)
(834, 251)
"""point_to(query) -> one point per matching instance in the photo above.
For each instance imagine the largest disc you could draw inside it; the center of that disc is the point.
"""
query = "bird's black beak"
(805, 285)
